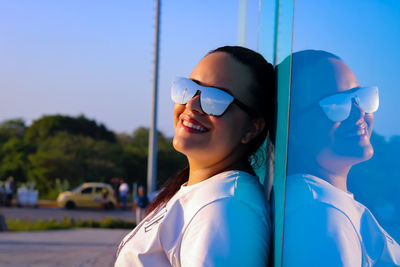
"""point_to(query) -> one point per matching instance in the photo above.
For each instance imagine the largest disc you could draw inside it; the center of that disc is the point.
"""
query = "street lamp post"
(152, 157)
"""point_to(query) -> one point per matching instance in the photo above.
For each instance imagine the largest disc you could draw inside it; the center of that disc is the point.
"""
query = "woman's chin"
(177, 144)
(182, 145)
(356, 154)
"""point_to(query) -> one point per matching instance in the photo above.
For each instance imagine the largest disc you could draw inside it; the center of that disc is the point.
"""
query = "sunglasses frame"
(201, 88)
(352, 95)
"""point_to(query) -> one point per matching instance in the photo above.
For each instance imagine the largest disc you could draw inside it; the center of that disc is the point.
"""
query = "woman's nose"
(356, 112)
(194, 104)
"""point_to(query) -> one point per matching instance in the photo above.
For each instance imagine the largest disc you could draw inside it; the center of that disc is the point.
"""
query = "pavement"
(48, 212)
(72, 247)
(53, 203)
(76, 247)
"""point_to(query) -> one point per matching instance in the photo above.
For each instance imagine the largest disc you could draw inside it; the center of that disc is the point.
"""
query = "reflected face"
(206, 138)
(347, 140)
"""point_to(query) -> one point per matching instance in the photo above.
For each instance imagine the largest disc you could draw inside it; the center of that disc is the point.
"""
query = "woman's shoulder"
(231, 222)
(233, 186)
(306, 189)
(230, 184)
(309, 197)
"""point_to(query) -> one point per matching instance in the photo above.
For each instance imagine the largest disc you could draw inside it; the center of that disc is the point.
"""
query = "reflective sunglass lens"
(368, 99)
(182, 91)
(214, 101)
(336, 107)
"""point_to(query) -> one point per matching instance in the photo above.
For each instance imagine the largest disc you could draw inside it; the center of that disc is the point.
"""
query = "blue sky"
(94, 57)
(366, 35)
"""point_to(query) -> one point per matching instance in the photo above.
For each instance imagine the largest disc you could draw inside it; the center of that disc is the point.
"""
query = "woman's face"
(347, 141)
(207, 139)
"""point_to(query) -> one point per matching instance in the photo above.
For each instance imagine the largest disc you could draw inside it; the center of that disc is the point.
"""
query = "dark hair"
(264, 84)
(303, 66)
(300, 63)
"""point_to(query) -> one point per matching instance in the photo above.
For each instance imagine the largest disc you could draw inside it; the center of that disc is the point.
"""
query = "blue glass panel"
(343, 166)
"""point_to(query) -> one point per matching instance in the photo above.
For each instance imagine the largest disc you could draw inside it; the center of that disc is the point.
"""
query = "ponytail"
(173, 185)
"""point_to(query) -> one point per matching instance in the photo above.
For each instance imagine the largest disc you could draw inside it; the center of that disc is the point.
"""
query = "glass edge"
(284, 13)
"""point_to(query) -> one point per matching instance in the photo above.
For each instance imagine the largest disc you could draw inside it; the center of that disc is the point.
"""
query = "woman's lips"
(357, 132)
(192, 125)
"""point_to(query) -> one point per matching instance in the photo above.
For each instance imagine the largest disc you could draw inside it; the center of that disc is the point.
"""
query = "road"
(74, 247)
(46, 213)
(77, 247)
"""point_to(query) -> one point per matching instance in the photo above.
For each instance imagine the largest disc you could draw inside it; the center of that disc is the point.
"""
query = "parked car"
(88, 195)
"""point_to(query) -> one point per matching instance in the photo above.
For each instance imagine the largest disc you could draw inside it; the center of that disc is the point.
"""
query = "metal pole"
(242, 22)
(134, 193)
(258, 25)
(152, 158)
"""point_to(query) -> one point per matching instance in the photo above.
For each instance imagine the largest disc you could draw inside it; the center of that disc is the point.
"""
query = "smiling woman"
(213, 213)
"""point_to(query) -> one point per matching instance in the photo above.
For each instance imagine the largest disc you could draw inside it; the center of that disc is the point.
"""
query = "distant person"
(214, 212)
(104, 194)
(9, 189)
(3, 195)
(330, 130)
(3, 224)
(123, 193)
(141, 204)
(115, 183)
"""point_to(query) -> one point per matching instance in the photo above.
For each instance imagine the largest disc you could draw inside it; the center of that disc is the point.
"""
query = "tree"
(77, 150)
(48, 126)
(13, 159)
(12, 128)
(135, 157)
(74, 158)
(13, 151)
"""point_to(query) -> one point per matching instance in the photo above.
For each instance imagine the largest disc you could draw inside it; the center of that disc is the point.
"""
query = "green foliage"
(48, 126)
(73, 158)
(13, 150)
(135, 157)
(169, 162)
(13, 158)
(39, 225)
(17, 225)
(76, 150)
(111, 223)
(12, 128)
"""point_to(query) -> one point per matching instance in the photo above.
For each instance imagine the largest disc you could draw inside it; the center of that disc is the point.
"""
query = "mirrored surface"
(342, 202)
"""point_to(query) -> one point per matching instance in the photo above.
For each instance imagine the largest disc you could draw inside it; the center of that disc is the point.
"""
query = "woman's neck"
(336, 178)
(200, 172)
(334, 172)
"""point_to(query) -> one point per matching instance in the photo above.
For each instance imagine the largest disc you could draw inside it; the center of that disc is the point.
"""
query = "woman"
(330, 130)
(214, 212)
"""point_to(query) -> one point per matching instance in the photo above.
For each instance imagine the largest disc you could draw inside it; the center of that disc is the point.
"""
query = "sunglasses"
(213, 101)
(337, 107)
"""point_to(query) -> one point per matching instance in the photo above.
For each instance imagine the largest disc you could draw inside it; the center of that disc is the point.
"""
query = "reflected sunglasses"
(337, 107)
(213, 101)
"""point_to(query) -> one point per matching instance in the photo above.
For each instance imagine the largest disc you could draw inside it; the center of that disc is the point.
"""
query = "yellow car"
(88, 195)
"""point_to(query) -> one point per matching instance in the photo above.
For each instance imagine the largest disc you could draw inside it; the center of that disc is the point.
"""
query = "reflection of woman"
(330, 131)
(213, 213)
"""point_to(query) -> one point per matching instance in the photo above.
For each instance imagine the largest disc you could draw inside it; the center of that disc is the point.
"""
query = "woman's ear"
(255, 128)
